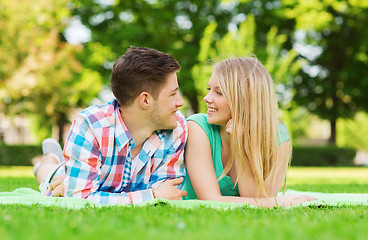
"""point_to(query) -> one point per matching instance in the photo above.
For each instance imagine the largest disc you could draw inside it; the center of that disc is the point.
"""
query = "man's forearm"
(121, 198)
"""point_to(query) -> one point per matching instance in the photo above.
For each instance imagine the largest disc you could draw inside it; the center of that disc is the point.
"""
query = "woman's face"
(217, 108)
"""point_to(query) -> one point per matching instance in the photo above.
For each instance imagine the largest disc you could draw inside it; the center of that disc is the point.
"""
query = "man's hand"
(167, 190)
(57, 186)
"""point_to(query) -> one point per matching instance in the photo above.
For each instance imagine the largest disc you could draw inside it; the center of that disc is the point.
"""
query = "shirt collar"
(153, 142)
(122, 134)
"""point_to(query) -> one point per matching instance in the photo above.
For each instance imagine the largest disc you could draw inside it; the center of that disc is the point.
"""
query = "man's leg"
(48, 164)
(52, 157)
(51, 146)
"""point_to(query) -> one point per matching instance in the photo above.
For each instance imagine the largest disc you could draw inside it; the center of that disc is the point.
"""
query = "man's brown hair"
(141, 70)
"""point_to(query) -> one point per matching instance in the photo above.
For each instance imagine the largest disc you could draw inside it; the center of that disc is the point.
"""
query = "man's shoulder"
(99, 108)
(100, 113)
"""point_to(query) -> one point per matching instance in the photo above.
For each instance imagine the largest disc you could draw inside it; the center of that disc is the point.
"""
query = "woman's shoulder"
(283, 133)
(201, 120)
(198, 117)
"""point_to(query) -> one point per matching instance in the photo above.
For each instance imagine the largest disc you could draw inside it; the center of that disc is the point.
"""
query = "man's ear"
(144, 99)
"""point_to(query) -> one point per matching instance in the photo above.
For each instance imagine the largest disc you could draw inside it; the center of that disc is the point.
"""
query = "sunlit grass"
(165, 222)
(296, 175)
(13, 177)
(328, 175)
(312, 177)
(16, 171)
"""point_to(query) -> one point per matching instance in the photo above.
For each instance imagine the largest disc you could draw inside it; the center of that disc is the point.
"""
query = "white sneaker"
(51, 146)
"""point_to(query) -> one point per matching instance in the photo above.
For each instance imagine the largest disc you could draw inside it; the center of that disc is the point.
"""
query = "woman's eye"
(219, 93)
(208, 89)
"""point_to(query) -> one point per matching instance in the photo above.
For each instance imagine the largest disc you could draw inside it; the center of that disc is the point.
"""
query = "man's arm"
(83, 169)
(83, 172)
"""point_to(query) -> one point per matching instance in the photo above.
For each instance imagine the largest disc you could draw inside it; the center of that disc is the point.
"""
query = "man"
(131, 149)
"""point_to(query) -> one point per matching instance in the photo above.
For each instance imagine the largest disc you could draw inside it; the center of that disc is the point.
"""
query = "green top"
(227, 187)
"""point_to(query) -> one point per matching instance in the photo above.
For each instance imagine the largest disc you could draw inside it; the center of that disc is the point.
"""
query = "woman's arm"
(198, 158)
(269, 202)
(247, 184)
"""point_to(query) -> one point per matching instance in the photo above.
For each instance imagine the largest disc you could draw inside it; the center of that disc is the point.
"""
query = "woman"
(239, 151)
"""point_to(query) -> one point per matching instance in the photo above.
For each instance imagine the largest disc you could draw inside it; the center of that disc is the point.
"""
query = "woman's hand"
(292, 200)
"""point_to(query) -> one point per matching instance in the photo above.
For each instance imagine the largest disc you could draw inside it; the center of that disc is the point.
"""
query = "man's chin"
(171, 125)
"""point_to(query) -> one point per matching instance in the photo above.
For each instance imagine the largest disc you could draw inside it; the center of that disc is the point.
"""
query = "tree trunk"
(61, 124)
(332, 139)
(194, 104)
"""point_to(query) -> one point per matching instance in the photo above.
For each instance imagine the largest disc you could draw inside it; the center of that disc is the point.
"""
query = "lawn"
(164, 222)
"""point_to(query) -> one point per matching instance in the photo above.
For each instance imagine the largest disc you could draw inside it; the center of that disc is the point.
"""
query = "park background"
(56, 57)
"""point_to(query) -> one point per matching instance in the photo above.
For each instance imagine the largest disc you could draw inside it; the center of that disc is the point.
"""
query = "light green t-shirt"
(227, 187)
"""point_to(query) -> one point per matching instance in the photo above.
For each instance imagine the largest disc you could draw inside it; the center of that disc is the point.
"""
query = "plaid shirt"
(99, 164)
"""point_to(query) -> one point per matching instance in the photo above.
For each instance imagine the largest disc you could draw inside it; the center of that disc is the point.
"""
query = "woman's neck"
(225, 136)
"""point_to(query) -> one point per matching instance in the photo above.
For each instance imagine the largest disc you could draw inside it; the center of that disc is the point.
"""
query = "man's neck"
(137, 125)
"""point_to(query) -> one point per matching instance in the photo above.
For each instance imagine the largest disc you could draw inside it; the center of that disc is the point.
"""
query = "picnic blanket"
(28, 196)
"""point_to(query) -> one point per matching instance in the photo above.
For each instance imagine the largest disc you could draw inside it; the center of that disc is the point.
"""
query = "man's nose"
(180, 101)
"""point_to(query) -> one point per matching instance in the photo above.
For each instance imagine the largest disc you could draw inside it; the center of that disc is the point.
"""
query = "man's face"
(165, 106)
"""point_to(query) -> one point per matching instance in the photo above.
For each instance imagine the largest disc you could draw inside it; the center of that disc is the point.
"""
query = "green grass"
(164, 222)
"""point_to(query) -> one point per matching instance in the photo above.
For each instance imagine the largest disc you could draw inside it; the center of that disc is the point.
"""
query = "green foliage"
(240, 43)
(45, 80)
(353, 132)
(177, 27)
(336, 80)
(18, 155)
(171, 26)
(24, 27)
(322, 156)
(296, 119)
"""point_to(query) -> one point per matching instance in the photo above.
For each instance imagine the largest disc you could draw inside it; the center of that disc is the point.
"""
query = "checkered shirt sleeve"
(83, 164)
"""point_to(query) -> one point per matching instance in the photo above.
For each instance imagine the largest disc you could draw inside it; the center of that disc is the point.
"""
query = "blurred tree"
(332, 35)
(44, 78)
(282, 64)
(23, 26)
(353, 132)
(174, 26)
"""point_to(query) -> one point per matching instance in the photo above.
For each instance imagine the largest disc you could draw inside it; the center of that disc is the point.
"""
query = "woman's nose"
(207, 98)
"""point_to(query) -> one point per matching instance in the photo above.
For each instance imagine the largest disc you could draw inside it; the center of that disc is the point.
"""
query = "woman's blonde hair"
(249, 92)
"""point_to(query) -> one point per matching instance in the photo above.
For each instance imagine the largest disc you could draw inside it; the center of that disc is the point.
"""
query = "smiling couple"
(132, 149)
